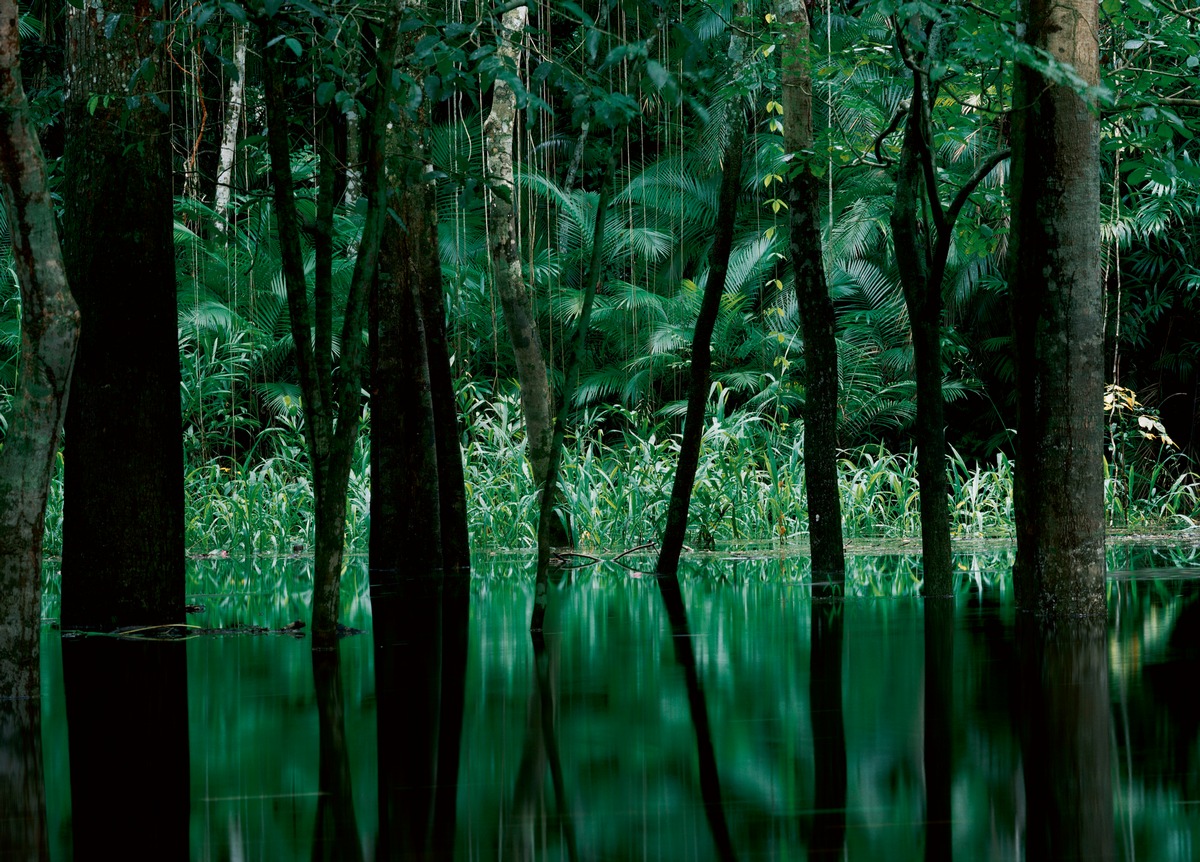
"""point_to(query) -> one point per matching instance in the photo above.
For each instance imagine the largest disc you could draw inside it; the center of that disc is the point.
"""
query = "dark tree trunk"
(335, 835)
(817, 320)
(418, 501)
(331, 404)
(123, 545)
(1058, 323)
(49, 334)
(710, 305)
(922, 283)
(922, 244)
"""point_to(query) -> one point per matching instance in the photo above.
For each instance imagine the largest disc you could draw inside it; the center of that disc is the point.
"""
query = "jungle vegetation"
(643, 100)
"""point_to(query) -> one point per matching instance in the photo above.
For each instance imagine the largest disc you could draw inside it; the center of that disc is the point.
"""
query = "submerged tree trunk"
(418, 501)
(817, 319)
(123, 545)
(331, 406)
(710, 305)
(49, 334)
(922, 245)
(507, 272)
(1058, 322)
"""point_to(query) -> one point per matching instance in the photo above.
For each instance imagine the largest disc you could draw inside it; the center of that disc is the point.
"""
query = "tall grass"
(616, 479)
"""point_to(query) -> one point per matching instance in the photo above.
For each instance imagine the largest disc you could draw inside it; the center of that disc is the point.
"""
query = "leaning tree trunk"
(701, 364)
(817, 318)
(123, 538)
(1054, 274)
(49, 335)
(507, 272)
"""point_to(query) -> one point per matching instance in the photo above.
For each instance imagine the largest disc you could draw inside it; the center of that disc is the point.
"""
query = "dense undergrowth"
(616, 482)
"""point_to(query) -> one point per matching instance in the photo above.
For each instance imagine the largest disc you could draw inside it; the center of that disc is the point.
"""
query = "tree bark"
(1054, 274)
(123, 545)
(817, 319)
(507, 273)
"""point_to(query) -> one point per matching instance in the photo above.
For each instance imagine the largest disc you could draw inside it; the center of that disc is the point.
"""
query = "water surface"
(760, 724)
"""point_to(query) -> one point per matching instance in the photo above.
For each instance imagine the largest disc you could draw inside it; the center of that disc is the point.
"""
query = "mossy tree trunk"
(123, 535)
(817, 319)
(1058, 318)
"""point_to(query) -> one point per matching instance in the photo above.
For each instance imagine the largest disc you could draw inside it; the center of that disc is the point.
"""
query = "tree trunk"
(123, 545)
(595, 274)
(507, 273)
(1058, 322)
(710, 305)
(331, 407)
(229, 133)
(922, 283)
(817, 319)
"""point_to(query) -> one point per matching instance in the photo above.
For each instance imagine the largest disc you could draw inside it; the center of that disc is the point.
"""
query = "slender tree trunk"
(817, 319)
(507, 272)
(331, 407)
(233, 120)
(595, 274)
(923, 298)
(826, 623)
(123, 545)
(710, 305)
(1058, 322)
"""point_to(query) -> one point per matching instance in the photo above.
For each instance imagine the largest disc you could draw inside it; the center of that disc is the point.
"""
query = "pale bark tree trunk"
(233, 120)
(817, 319)
(1054, 274)
(123, 532)
(507, 272)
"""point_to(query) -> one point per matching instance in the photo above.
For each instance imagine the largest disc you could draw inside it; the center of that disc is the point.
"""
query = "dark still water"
(733, 717)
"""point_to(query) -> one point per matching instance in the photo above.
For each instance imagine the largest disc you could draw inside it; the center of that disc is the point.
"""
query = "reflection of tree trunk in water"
(22, 788)
(550, 744)
(336, 832)
(710, 782)
(528, 798)
(420, 630)
(829, 733)
(1066, 733)
(939, 695)
(127, 721)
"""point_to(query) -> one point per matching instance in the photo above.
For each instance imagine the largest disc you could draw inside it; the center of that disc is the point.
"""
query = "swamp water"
(756, 724)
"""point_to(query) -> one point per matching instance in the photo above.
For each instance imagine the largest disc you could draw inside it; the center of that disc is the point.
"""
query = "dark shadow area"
(335, 836)
(420, 630)
(23, 830)
(1066, 737)
(685, 655)
(127, 719)
(939, 728)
